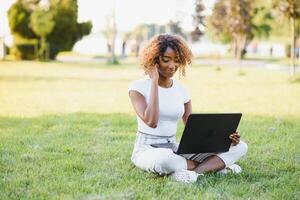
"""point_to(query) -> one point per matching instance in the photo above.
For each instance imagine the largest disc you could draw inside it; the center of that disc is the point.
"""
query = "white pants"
(164, 161)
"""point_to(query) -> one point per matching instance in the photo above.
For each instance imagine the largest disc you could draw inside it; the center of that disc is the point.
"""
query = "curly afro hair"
(157, 47)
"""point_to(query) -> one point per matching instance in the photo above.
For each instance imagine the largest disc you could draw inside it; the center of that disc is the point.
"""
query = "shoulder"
(139, 82)
(182, 90)
(140, 85)
(178, 85)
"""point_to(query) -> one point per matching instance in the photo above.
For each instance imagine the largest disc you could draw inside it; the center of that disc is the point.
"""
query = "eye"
(165, 60)
(176, 59)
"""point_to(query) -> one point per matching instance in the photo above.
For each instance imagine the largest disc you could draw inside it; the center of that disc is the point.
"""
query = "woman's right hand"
(153, 73)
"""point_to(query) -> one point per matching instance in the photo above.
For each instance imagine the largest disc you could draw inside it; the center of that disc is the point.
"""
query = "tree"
(110, 34)
(42, 24)
(125, 39)
(174, 28)
(217, 28)
(19, 17)
(262, 20)
(233, 19)
(239, 24)
(139, 35)
(291, 10)
(198, 20)
(65, 32)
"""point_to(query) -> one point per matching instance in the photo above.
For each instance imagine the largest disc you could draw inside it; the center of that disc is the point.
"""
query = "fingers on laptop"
(237, 134)
(235, 138)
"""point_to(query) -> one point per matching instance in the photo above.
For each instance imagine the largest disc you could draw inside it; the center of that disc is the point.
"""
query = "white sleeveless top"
(171, 106)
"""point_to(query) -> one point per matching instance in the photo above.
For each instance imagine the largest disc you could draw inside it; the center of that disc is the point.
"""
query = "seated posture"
(160, 102)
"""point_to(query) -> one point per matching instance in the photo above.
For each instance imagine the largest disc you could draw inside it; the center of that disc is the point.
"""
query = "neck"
(165, 82)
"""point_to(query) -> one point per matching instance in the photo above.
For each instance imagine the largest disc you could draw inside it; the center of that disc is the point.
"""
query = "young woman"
(159, 102)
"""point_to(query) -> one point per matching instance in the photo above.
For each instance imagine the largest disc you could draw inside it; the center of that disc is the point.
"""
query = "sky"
(129, 13)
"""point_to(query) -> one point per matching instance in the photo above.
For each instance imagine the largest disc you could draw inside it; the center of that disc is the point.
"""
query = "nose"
(172, 65)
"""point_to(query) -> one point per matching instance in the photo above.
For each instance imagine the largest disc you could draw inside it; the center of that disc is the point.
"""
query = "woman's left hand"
(235, 138)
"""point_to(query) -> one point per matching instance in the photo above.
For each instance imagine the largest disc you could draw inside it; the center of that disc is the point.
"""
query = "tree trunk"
(47, 51)
(2, 48)
(240, 44)
(239, 54)
(113, 44)
(293, 67)
(235, 44)
(114, 35)
(298, 44)
(36, 50)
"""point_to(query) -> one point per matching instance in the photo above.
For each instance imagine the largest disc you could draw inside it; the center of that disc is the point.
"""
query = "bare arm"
(187, 111)
(147, 112)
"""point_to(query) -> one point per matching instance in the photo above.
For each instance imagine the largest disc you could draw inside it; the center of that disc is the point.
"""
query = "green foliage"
(41, 22)
(24, 17)
(262, 20)
(239, 17)
(216, 25)
(289, 8)
(66, 30)
(285, 10)
(84, 28)
(26, 51)
(18, 18)
(231, 20)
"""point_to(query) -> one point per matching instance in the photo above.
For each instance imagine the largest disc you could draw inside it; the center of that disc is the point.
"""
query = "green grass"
(67, 132)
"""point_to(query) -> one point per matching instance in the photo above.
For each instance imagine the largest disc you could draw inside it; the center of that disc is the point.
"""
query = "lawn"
(67, 132)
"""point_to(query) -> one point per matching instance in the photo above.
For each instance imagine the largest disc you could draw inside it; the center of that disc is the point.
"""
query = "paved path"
(261, 64)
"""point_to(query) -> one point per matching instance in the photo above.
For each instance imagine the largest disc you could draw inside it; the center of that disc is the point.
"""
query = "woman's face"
(168, 63)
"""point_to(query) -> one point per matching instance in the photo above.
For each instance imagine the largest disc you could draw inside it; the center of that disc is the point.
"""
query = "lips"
(171, 72)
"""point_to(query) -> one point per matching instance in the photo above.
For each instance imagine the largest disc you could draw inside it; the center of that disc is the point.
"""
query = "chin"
(171, 75)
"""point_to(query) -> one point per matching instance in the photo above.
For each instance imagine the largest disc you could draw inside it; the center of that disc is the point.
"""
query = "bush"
(25, 51)
(65, 33)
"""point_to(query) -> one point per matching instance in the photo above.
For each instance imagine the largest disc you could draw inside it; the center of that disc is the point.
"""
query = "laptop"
(208, 133)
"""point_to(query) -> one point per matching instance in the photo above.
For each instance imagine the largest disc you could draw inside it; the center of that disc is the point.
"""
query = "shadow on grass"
(295, 79)
(87, 155)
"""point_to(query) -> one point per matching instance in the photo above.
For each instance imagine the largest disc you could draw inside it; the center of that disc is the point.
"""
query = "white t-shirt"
(171, 106)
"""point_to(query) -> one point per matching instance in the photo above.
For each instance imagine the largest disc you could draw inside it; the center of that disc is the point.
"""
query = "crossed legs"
(211, 163)
(220, 161)
(164, 161)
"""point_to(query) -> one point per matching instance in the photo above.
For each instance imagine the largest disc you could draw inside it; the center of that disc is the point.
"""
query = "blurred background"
(262, 33)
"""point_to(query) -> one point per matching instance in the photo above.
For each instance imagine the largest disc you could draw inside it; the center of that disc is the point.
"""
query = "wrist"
(155, 81)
